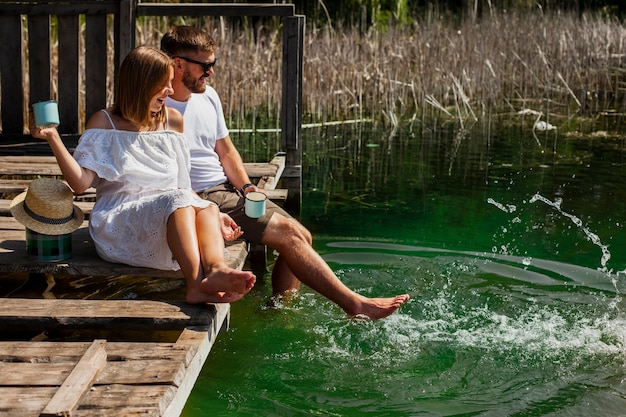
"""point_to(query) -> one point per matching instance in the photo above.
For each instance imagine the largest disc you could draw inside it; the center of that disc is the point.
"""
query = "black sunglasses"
(206, 66)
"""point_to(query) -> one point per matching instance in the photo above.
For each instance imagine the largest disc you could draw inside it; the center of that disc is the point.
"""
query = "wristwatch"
(243, 188)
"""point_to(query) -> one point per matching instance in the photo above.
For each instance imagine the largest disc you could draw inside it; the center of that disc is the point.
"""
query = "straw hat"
(47, 207)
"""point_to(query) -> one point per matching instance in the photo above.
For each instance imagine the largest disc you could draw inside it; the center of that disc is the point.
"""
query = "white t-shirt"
(204, 126)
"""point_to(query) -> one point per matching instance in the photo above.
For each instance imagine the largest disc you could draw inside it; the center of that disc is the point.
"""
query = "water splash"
(509, 208)
(594, 238)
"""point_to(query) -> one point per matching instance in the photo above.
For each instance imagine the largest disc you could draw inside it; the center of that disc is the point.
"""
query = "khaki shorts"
(231, 202)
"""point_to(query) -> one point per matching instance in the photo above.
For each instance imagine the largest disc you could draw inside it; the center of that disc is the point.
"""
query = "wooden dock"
(136, 357)
(62, 357)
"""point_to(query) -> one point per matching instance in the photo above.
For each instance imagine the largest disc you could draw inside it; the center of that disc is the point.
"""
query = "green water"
(513, 255)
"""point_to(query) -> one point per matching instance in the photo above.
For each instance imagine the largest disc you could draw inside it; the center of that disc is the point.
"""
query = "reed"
(571, 69)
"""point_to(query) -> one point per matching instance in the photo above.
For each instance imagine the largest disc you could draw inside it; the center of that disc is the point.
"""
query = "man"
(218, 174)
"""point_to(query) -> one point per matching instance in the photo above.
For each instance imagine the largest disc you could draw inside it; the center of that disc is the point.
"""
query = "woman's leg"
(218, 276)
(184, 244)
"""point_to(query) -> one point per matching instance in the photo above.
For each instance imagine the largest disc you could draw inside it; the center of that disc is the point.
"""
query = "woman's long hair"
(142, 74)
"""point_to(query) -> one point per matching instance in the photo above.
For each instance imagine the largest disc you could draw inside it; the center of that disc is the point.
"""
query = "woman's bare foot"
(377, 308)
(227, 280)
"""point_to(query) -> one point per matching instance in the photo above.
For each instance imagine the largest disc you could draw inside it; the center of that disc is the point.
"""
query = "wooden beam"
(65, 401)
(119, 315)
(215, 9)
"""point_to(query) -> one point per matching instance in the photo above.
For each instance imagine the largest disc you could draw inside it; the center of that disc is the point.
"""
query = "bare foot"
(227, 280)
(378, 308)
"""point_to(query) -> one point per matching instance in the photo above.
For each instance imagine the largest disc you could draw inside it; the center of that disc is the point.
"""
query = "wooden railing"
(79, 31)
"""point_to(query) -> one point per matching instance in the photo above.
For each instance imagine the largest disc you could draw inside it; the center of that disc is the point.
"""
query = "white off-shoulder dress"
(142, 178)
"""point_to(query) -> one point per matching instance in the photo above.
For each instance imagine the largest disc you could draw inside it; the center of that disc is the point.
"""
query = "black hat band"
(47, 220)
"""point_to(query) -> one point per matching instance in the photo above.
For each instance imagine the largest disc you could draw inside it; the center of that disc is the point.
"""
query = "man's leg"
(293, 242)
(284, 281)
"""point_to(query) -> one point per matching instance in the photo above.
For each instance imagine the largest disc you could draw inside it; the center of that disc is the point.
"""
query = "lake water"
(513, 253)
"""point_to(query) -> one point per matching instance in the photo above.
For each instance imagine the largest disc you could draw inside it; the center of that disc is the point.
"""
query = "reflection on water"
(512, 255)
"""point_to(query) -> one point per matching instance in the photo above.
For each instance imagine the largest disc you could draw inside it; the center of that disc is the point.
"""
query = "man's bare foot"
(378, 308)
(228, 280)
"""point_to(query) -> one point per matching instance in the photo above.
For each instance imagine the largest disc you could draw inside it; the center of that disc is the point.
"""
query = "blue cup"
(255, 204)
(46, 113)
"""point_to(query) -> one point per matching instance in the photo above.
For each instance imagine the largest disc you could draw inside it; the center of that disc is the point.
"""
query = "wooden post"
(12, 75)
(125, 29)
(69, 55)
(291, 112)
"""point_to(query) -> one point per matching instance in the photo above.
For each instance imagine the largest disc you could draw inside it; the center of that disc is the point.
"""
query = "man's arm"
(233, 164)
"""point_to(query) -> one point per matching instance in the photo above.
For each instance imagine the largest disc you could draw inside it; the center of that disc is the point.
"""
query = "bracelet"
(243, 188)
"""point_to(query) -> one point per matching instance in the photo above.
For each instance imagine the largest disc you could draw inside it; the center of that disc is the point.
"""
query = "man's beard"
(193, 84)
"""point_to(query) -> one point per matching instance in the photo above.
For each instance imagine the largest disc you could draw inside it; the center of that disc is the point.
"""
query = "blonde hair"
(142, 74)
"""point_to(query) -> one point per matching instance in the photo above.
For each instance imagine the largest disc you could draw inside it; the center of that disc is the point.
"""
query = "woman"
(146, 214)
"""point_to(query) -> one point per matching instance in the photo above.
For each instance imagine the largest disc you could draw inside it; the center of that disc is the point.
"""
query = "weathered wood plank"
(65, 401)
(116, 396)
(161, 371)
(119, 315)
(95, 63)
(69, 68)
(47, 165)
(139, 378)
(85, 206)
(201, 339)
(63, 352)
(24, 401)
(204, 9)
(84, 260)
(39, 57)
(12, 75)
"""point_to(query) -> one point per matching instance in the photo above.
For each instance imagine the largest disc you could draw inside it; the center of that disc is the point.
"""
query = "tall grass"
(569, 69)
(560, 65)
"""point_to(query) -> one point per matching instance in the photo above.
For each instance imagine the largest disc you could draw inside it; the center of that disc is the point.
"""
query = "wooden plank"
(204, 342)
(204, 9)
(65, 401)
(71, 7)
(162, 371)
(84, 260)
(24, 401)
(125, 30)
(39, 57)
(139, 378)
(68, 51)
(95, 63)
(12, 168)
(60, 352)
(85, 206)
(114, 397)
(47, 165)
(12, 91)
(291, 111)
(50, 314)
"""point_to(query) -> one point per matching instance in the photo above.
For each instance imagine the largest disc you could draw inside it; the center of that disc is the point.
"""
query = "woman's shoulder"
(100, 120)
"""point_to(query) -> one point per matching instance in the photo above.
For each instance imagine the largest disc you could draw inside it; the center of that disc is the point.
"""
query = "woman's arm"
(78, 178)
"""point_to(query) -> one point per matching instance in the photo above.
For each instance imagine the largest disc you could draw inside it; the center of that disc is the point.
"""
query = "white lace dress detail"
(142, 178)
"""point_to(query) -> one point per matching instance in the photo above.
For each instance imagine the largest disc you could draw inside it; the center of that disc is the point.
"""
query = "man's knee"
(282, 230)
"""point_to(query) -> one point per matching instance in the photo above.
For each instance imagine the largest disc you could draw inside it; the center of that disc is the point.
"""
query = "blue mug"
(46, 113)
